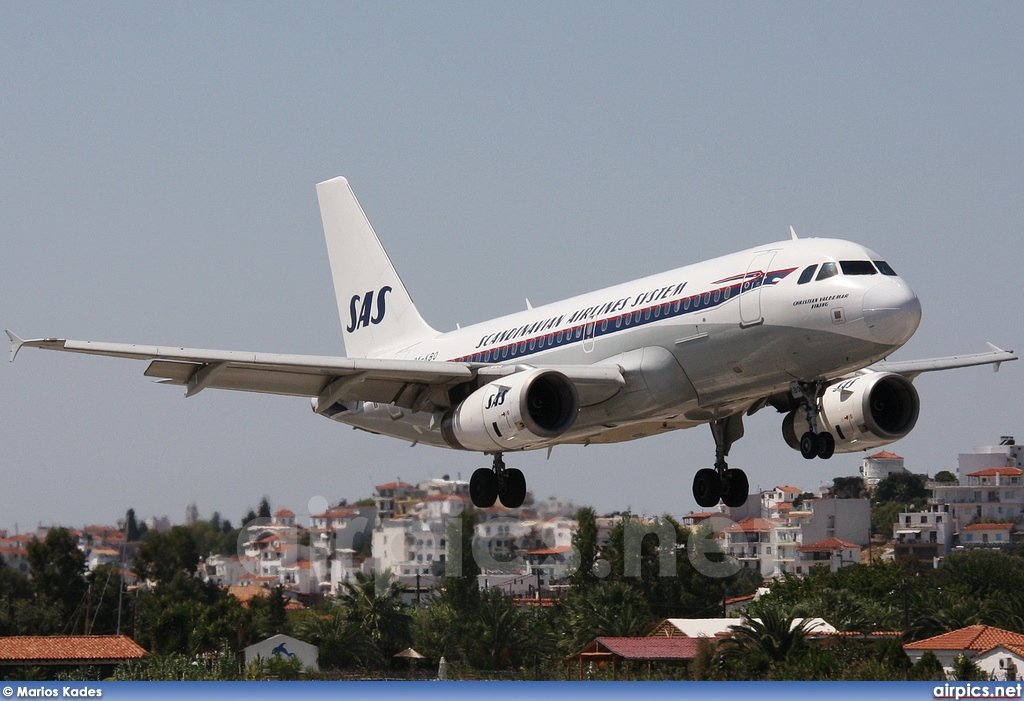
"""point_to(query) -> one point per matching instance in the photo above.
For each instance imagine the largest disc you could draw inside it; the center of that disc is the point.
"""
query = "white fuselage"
(696, 343)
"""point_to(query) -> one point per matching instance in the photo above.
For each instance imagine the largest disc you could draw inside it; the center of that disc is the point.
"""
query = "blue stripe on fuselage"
(631, 320)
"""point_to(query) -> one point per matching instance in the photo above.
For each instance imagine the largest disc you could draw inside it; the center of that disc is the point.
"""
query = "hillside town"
(531, 555)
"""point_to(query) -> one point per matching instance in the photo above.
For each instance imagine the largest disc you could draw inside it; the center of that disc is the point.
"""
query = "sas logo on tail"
(363, 311)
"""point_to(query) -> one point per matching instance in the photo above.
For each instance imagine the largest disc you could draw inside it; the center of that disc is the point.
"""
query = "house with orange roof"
(341, 536)
(753, 542)
(990, 486)
(832, 553)
(877, 466)
(14, 552)
(393, 497)
(972, 642)
(986, 534)
(1004, 662)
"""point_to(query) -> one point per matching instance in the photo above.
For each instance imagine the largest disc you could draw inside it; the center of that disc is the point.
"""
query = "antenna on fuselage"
(792, 232)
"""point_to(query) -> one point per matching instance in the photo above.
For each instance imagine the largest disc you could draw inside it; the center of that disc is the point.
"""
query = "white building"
(877, 467)
(925, 535)
(771, 543)
(990, 486)
(831, 552)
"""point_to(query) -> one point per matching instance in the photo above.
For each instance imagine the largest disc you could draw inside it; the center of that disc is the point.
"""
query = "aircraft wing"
(912, 368)
(412, 384)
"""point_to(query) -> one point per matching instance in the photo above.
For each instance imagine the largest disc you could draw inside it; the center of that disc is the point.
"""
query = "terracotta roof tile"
(970, 638)
(752, 524)
(652, 648)
(988, 527)
(827, 545)
(551, 551)
(993, 471)
(73, 649)
(885, 455)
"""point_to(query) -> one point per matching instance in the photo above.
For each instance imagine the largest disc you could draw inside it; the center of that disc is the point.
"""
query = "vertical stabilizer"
(377, 313)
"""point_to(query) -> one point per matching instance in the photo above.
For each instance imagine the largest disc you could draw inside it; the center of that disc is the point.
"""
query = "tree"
(163, 555)
(965, 670)
(460, 578)
(15, 595)
(374, 601)
(611, 608)
(848, 488)
(57, 568)
(584, 543)
(945, 476)
(768, 638)
(264, 508)
(341, 642)
(133, 531)
(903, 488)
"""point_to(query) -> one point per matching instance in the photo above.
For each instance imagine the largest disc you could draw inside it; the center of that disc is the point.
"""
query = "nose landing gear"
(813, 443)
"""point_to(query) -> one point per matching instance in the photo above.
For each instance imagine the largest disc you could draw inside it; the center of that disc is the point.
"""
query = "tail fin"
(377, 313)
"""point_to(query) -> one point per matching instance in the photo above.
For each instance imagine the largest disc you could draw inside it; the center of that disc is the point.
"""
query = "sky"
(157, 173)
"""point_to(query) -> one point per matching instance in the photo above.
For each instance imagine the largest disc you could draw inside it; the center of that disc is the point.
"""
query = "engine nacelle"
(862, 412)
(524, 410)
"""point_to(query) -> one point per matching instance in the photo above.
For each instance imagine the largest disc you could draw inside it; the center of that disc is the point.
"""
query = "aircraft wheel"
(707, 487)
(826, 445)
(809, 446)
(513, 492)
(483, 488)
(735, 488)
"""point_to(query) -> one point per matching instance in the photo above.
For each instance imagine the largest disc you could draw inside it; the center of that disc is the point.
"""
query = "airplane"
(800, 325)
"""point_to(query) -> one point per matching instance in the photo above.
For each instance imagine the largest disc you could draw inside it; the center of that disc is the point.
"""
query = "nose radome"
(892, 312)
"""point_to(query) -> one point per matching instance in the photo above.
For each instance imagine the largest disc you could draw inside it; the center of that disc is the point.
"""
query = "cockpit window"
(858, 267)
(807, 275)
(884, 268)
(827, 270)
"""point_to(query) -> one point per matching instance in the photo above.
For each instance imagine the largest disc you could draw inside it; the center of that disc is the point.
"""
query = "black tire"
(809, 446)
(707, 487)
(826, 445)
(483, 488)
(513, 492)
(735, 488)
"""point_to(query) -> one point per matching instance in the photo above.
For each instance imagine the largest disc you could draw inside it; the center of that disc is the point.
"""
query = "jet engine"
(862, 412)
(524, 410)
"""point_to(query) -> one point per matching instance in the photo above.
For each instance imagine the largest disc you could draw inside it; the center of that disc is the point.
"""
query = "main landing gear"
(488, 484)
(813, 443)
(722, 482)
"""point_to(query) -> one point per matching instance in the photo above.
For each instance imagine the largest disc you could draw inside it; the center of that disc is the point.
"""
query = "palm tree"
(340, 642)
(374, 601)
(607, 609)
(766, 641)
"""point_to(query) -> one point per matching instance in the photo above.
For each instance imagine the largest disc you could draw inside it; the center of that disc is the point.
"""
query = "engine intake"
(862, 412)
(525, 410)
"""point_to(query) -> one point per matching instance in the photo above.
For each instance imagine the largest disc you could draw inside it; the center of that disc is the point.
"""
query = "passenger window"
(884, 268)
(858, 267)
(827, 270)
(807, 275)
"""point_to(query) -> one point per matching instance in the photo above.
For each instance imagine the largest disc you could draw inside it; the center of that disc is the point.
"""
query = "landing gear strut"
(487, 485)
(722, 482)
(813, 443)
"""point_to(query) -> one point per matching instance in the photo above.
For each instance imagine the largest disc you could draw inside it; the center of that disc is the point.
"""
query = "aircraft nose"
(892, 312)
